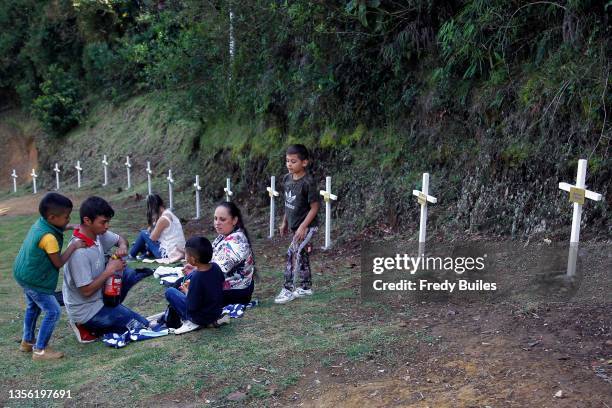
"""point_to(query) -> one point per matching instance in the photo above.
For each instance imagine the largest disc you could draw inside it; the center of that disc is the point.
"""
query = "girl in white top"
(164, 238)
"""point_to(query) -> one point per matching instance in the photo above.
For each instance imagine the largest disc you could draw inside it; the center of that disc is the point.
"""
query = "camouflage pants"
(298, 262)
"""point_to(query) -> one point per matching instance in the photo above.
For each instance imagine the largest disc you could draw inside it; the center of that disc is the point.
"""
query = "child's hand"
(283, 229)
(71, 227)
(115, 265)
(188, 268)
(185, 287)
(300, 234)
(121, 252)
(78, 244)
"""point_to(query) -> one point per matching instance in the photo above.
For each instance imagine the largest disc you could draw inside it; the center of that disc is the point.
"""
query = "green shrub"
(59, 108)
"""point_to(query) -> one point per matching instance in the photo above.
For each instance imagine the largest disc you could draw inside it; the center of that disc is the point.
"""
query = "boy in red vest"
(36, 269)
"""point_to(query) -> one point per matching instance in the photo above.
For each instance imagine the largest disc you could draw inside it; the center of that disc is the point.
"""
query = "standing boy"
(36, 269)
(301, 208)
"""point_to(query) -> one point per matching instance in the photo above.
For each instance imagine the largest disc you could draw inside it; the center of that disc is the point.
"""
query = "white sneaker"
(187, 326)
(154, 318)
(284, 296)
(300, 292)
(225, 319)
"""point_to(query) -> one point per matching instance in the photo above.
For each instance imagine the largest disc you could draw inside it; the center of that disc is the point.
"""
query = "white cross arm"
(170, 179)
(197, 186)
(105, 162)
(328, 196)
(587, 193)
(272, 193)
(431, 199)
(228, 192)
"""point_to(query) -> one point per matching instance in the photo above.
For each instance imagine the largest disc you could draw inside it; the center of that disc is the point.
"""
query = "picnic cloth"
(167, 275)
(164, 261)
(136, 332)
(236, 310)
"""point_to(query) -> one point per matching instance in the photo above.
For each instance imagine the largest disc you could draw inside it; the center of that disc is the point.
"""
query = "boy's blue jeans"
(178, 300)
(35, 303)
(115, 319)
(143, 243)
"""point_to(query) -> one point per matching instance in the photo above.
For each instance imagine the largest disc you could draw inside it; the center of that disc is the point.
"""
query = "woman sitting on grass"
(232, 252)
(164, 237)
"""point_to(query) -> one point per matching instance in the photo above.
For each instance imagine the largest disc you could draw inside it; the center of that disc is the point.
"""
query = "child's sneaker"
(46, 354)
(225, 319)
(187, 326)
(82, 334)
(301, 292)
(26, 347)
(284, 296)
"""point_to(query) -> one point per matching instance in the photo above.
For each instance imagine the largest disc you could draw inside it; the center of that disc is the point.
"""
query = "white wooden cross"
(149, 173)
(57, 172)
(327, 197)
(128, 166)
(105, 164)
(170, 182)
(34, 180)
(272, 193)
(197, 195)
(228, 191)
(423, 197)
(78, 169)
(14, 176)
(578, 193)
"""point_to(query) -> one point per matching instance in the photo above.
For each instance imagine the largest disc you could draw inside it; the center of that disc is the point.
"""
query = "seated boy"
(36, 269)
(86, 272)
(199, 299)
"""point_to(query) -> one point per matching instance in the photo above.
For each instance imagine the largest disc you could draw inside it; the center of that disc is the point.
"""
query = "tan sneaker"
(46, 354)
(25, 346)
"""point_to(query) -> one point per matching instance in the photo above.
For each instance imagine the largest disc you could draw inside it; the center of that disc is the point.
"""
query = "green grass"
(265, 352)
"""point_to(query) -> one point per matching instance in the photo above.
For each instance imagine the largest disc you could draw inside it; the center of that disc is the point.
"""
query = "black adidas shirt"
(298, 196)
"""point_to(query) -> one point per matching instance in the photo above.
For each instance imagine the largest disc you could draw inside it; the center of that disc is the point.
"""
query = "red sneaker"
(82, 334)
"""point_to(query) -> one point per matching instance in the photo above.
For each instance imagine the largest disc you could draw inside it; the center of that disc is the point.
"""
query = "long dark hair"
(235, 212)
(154, 203)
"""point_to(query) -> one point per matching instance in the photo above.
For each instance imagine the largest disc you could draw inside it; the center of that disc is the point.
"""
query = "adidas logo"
(289, 197)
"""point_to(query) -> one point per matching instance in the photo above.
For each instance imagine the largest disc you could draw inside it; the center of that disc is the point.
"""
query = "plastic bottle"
(112, 288)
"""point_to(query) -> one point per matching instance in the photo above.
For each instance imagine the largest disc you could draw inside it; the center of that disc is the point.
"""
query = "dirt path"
(27, 205)
(476, 358)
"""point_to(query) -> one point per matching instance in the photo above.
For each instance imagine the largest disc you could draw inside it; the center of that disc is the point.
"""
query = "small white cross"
(34, 180)
(197, 193)
(327, 197)
(78, 169)
(578, 193)
(14, 176)
(57, 172)
(272, 193)
(128, 166)
(228, 191)
(170, 182)
(423, 197)
(149, 173)
(105, 164)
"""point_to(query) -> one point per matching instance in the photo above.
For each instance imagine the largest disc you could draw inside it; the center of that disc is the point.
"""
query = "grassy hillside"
(487, 180)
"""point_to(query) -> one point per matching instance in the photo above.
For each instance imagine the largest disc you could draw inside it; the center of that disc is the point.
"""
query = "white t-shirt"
(172, 238)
